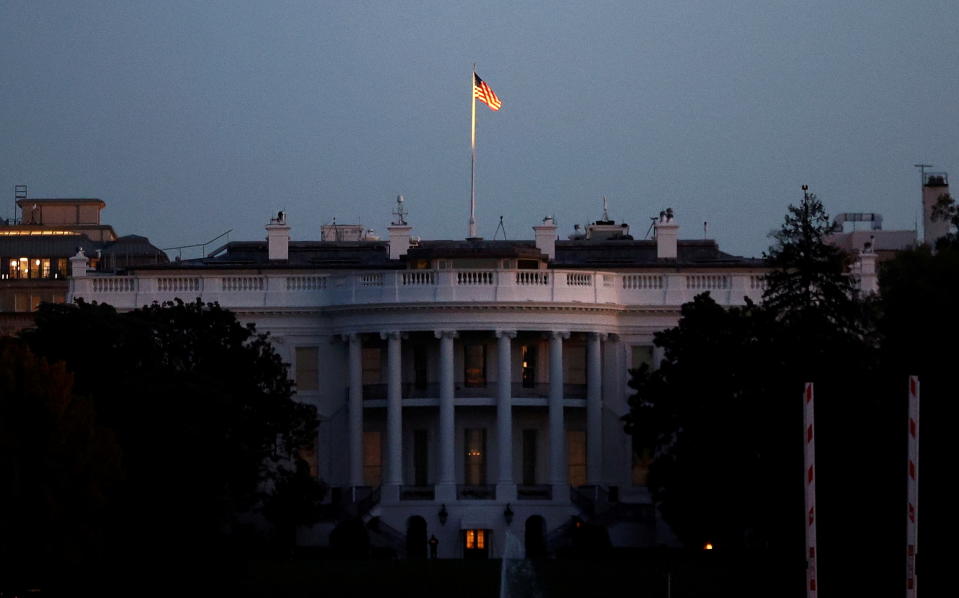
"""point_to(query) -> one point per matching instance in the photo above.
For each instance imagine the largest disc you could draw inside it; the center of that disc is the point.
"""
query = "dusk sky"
(192, 118)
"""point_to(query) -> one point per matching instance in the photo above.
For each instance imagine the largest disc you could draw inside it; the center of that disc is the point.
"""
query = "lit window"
(475, 539)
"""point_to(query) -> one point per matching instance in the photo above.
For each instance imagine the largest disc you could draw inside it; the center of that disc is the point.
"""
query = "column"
(446, 485)
(594, 409)
(505, 488)
(557, 434)
(394, 417)
(356, 409)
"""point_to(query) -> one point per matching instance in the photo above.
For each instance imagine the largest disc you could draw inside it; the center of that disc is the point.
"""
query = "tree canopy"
(723, 413)
(201, 408)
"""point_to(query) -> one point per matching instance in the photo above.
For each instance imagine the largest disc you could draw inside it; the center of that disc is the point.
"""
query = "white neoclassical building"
(466, 389)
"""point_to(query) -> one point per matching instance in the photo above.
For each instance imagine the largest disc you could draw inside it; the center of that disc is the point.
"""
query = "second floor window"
(474, 370)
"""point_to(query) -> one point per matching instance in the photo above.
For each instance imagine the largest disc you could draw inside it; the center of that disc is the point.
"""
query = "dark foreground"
(646, 575)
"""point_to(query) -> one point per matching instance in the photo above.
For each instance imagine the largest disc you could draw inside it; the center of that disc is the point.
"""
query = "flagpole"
(471, 232)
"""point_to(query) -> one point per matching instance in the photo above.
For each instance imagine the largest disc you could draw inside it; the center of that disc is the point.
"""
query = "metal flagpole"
(471, 232)
(912, 488)
(810, 462)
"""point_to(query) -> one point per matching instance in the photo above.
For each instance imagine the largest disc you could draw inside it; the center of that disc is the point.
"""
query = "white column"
(394, 411)
(594, 409)
(446, 486)
(356, 410)
(505, 488)
(557, 434)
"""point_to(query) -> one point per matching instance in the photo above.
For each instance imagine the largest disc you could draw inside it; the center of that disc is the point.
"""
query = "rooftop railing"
(421, 286)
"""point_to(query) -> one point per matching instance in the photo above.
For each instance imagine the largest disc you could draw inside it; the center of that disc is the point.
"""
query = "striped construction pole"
(810, 470)
(912, 488)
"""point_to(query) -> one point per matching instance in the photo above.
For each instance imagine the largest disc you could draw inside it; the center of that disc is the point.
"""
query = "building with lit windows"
(466, 388)
(36, 247)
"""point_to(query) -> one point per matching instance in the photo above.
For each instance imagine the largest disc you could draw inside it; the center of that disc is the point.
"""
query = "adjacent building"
(36, 247)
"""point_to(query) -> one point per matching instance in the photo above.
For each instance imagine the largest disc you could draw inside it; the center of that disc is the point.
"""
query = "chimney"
(866, 265)
(399, 231)
(546, 237)
(78, 264)
(666, 232)
(278, 237)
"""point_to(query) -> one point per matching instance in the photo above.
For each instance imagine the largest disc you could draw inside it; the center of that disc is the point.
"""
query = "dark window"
(420, 458)
(529, 457)
(420, 377)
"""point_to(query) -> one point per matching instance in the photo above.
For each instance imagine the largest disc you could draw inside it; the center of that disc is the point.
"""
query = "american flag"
(484, 93)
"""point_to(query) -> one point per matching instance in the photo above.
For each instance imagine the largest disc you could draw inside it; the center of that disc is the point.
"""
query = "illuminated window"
(529, 366)
(475, 539)
(475, 465)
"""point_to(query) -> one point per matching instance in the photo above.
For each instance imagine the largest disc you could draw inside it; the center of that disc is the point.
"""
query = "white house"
(466, 388)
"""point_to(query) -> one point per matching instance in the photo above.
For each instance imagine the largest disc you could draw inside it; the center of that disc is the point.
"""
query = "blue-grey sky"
(191, 118)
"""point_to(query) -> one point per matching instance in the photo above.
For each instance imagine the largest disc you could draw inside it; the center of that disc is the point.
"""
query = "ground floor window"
(475, 543)
(372, 458)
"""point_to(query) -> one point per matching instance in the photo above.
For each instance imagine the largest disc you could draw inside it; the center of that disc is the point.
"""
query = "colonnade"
(446, 479)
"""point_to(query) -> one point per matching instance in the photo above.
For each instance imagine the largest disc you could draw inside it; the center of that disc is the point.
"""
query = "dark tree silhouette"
(201, 407)
(723, 413)
(58, 470)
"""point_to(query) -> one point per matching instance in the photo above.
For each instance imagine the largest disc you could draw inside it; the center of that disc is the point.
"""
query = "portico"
(463, 397)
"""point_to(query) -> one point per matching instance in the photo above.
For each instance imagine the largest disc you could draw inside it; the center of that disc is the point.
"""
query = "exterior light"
(708, 546)
(443, 515)
(508, 515)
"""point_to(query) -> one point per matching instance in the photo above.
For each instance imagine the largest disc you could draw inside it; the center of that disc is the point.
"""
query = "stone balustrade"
(421, 286)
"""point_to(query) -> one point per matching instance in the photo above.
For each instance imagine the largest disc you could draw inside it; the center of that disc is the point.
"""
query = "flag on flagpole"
(484, 93)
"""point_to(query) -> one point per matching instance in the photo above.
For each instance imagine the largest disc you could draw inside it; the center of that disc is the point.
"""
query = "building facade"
(467, 390)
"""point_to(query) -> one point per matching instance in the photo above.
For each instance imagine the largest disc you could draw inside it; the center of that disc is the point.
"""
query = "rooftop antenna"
(922, 180)
(500, 228)
(705, 229)
(399, 211)
(19, 192)
(605, 210)
(652, 223)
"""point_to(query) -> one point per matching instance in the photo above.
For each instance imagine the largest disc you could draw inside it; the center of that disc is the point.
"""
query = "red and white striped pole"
(810, 469)
(912, 488)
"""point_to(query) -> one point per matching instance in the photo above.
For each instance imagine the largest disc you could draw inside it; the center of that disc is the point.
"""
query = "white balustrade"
(305, 283)
(474, 278)
(413, 278)
(425, 286)
(372, 279)
(177, 284)
(125, 284)
(579, 279)
(242, 283)
(707, 281)
(642, 281)
(532, 277)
